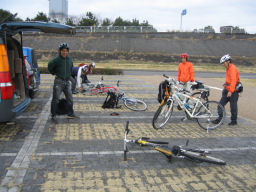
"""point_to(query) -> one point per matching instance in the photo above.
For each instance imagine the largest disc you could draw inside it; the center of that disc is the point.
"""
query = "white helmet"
(225, 58)
(93, 64)
(84, 68)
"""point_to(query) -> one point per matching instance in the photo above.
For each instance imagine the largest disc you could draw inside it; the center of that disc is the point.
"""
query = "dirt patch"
(246, 103)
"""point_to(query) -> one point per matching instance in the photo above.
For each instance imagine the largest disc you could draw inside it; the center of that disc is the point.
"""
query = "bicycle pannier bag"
(111, 100)
(239, 87)
(198, 85)
(161, 90)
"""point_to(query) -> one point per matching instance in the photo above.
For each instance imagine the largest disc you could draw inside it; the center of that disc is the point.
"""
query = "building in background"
(231, 30)
(207, 29)
(58, 9)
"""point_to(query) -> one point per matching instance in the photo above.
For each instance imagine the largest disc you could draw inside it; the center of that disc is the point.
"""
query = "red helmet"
(184, 55)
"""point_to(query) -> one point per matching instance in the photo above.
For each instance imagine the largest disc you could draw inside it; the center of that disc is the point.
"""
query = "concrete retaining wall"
(161, 44)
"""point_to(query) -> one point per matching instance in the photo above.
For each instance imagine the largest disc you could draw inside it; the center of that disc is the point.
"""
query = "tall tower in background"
(58, 9)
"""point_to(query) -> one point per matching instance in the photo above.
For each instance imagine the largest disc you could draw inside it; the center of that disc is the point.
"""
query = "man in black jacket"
(61, 67)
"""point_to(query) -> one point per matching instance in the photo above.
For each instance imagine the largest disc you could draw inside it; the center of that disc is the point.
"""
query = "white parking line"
(120, 152)
(18, 169)
(132, 152)
(8, 154)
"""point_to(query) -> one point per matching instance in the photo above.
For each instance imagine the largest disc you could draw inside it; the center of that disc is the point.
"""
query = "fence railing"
(137, 29)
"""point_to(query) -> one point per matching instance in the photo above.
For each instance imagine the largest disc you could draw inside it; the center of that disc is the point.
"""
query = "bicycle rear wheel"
(211, 115)
(202, 157)
(135, 104)
(162, 115)
(199, 95)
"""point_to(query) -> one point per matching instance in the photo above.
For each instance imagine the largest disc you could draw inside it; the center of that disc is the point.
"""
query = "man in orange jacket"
(229, 93)
(185, 70)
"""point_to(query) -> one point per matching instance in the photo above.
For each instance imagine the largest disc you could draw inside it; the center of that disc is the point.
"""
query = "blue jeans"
(59, 87)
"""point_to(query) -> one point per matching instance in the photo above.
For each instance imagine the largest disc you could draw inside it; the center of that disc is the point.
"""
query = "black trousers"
(233, 103)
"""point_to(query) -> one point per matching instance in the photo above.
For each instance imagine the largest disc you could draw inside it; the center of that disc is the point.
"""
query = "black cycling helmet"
(63, 46)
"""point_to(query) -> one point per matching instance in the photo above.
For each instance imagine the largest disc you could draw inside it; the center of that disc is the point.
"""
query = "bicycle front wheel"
(202, 157)
(135, 104)
(210, 115)
(162, 115)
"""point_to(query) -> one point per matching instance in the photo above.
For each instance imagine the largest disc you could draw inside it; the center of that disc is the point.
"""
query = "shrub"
(98, 71)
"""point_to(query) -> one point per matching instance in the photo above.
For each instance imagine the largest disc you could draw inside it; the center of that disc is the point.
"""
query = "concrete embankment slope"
(204, 48)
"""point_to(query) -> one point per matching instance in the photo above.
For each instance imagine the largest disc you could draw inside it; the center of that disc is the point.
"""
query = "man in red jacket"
(185, 71)
(229, 93)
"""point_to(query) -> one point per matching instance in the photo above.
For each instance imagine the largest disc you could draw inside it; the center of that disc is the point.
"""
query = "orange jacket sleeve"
(179, 73)
(192, 77)
(233, 80)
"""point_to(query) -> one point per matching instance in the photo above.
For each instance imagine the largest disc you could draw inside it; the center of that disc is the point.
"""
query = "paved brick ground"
(86, 154)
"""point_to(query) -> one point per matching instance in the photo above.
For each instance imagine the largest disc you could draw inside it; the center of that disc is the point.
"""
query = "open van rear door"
(12, 28)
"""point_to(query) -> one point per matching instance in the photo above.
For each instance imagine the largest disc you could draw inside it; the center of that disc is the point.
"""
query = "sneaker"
(54, 119)
(75, 92)
(233, 123)
(72, 116)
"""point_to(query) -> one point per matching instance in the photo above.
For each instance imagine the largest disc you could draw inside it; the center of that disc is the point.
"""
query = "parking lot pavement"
(86, 154)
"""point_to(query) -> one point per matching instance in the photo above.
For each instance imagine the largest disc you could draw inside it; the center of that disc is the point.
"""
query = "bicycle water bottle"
(191, 103)
(187, 106)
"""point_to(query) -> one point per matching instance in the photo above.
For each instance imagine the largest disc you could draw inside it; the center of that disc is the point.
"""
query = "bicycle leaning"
(193, 154)
(195, 107)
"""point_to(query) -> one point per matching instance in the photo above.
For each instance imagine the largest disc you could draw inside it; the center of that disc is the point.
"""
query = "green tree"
(145, 23)
(106, 22)
(55, 21)
(135, 22)
(41, 17)
(120, 22)
(8, 16)
(70, 21)
(89, 20)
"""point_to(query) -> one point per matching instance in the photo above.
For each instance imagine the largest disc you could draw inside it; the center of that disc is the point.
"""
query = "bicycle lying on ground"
(205, 112)
(132, 103)
(129, 102)
(99, 88)
(193, 154)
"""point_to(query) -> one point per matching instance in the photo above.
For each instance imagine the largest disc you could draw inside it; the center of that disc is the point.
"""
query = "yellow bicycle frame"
(166, 152)
(166, 95)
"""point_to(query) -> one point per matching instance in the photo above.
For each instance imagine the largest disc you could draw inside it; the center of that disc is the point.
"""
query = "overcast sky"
(164, 15)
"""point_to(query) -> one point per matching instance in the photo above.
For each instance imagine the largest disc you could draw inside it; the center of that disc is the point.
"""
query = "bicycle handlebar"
(165, 76)
(127, 130)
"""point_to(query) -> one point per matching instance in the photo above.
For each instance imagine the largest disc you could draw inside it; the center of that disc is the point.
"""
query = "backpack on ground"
(63, 107)
(163, 87)
(111, 100)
